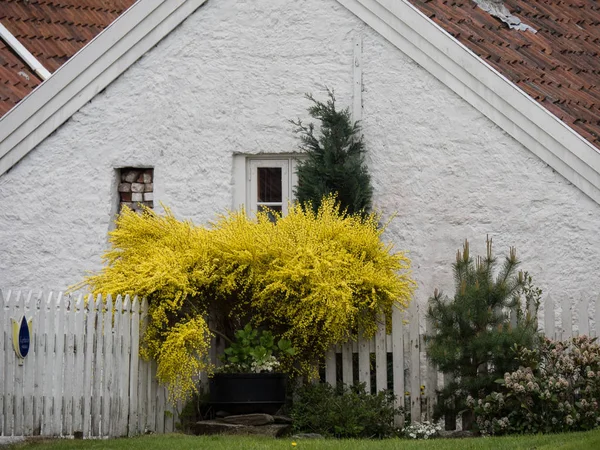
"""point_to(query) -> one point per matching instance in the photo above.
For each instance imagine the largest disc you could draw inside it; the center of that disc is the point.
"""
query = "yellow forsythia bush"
(312, 278)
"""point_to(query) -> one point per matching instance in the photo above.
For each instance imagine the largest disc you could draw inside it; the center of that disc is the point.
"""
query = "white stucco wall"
(226, 82)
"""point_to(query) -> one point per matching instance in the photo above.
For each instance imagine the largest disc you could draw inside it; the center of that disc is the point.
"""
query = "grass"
(569, 441)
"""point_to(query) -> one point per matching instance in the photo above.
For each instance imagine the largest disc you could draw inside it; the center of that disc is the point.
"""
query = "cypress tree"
(335, 159)
(474, 336)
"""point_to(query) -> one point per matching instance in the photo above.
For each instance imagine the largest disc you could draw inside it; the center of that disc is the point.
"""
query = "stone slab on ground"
(205, 427)
(209, 427)
(283, 419)
(249, 419)
(9, 440)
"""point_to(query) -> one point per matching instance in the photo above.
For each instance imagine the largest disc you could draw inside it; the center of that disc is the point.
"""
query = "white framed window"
(264, 182)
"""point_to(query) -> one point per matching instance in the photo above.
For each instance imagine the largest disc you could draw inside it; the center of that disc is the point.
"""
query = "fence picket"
(597, 317)
(431, 382)
(583, 319)
(9, 362)
(381, 356)
(160, 408)
(133, 429)
(347, 373)
(89, 318)
(58, 366)
(98, 360)
(49, 364)
(152, 393)
(143, 376)
(514, 311)
(79, 363)
(115, 363)
(125, 336)
(398, 361)
(415, 364)
(107, 364)
(27, 371)
(364, 362)
(549, 318)
(69, 309)
(37, 367)
(19, 372)
(567, 320)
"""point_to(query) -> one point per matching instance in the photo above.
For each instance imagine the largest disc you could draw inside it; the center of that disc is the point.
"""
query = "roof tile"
(53, 31)
(558, 66)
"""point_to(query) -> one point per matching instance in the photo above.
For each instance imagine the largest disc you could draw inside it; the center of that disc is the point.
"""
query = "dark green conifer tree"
(335, 163)
(474, 334)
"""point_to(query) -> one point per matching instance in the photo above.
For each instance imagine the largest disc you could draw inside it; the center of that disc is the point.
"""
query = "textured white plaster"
(226, 81)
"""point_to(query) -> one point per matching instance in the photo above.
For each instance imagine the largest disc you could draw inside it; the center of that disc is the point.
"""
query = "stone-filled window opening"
(136, 188)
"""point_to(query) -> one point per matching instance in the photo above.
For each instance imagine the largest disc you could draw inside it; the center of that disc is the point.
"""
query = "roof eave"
(89, 71)
(484, 88)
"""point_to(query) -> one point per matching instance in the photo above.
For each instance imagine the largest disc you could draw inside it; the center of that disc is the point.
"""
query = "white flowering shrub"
(556, 389)
(425, 430)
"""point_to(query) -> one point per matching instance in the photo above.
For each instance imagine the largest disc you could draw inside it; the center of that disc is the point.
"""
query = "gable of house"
(221, 88)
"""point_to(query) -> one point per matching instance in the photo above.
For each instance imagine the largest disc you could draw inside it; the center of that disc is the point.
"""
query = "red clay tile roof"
(559, 66)
(53, 31)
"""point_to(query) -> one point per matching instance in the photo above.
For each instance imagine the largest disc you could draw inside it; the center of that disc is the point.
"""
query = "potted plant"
(250, 380)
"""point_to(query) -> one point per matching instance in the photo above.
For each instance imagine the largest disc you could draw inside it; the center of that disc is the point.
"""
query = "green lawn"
(571, 441)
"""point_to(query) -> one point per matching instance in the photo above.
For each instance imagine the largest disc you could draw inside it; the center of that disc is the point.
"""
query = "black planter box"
(244, 393)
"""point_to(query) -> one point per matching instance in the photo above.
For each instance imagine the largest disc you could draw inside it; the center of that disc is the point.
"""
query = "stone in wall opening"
(136, 188)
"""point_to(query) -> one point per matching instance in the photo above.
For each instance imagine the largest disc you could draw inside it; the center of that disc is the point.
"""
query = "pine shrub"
(472, 332)
(335, 160)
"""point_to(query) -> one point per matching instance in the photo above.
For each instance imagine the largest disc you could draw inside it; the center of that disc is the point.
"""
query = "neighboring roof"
(53, 31)
(16, 79)
(559, 65)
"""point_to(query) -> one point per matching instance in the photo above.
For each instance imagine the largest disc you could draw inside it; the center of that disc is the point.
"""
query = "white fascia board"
(89, 71)
(23, 53)
(485, 88)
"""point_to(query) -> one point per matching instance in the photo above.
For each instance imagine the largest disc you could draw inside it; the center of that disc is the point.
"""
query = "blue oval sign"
(24, 338)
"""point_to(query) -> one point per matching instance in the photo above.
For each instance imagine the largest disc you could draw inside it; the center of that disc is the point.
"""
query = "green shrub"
(473, 331)
(255, 351)
(556, 389)
(344, 412)
(334, 162)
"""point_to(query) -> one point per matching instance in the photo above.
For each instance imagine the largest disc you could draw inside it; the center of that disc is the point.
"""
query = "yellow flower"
(294, 444)
(311, 278)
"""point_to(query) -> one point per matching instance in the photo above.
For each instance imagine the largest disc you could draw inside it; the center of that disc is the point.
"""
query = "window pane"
(272, 211)
(269, 184)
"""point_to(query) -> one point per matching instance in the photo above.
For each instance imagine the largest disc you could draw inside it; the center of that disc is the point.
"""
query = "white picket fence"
(406, 349)
(83, 373)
